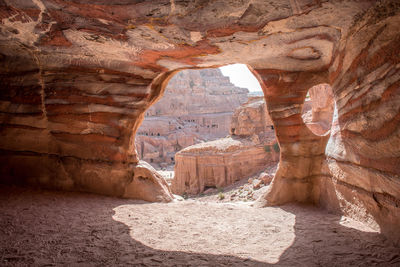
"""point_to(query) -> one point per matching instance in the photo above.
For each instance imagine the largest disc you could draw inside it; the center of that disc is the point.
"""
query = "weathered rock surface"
(266, 178)
(218, 163)
(357, 172)
(363, 153)
(199, 92)
(224, 161)
(142, 186)
(197, 106)
(77, 77)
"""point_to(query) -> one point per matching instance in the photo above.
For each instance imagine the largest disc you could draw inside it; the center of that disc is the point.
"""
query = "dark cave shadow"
(93, 237)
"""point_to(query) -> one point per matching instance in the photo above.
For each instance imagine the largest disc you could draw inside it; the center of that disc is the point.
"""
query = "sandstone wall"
(356, 173)
(363, 153)
(251, 118)
(77, 77)
(220, 163)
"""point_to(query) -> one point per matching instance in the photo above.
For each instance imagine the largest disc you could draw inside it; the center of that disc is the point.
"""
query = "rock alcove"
(77, 78)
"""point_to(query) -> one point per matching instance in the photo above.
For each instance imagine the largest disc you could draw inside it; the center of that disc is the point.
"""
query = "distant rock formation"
(197, 106)
(251, 147)
(251, 118)
(318, 109)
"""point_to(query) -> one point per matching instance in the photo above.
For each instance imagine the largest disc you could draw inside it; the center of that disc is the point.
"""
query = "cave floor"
(39, 227)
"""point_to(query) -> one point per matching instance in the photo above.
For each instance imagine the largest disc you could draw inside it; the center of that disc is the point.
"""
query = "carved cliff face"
(193, 92)
(219, 163)
(77, 77)
(197, 106)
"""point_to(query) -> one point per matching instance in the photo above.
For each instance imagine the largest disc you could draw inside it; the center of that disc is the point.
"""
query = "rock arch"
(77, 79)
(302, 152)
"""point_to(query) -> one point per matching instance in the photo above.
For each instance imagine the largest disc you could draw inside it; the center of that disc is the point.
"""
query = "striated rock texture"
(356, 174)
(224, 161)
(77, 77)
(197, 106)
(363, 153)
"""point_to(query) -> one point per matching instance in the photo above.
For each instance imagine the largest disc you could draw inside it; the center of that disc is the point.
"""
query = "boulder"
(266, 178)
(147, 184)
(257, 183)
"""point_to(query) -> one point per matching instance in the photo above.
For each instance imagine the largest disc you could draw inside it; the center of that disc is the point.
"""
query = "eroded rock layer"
(363, 153)
(77, 77)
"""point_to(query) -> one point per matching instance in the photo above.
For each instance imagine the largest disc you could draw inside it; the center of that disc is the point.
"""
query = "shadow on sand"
(40, 227)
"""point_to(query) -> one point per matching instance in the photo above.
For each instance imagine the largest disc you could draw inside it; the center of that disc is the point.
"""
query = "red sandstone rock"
(266, 178)
(257, 183)
(251, 118)
(148, 184)
(77, 77)
(199, 92)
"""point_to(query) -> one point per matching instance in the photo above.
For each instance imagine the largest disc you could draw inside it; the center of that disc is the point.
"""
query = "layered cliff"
(197, 105)
(194, 92)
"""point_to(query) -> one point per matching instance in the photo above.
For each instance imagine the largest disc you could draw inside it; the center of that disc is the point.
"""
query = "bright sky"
(241, 76)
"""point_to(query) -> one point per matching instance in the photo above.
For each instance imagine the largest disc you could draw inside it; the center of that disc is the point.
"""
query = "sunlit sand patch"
(211, 228)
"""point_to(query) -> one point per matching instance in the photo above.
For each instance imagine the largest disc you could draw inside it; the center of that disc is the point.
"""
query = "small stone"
(244, 194)
(266, 178)
(257, 183)
(178, 198)
(211, 191)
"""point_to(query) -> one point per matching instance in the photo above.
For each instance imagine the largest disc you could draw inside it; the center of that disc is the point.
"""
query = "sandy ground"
(48, 228)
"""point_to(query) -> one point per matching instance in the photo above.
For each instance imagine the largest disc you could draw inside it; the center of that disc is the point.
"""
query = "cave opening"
(213, 131)
(77, 78)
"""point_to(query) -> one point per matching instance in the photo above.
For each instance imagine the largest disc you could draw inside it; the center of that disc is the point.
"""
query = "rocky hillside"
(197, 106)
(194, 92)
